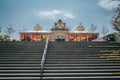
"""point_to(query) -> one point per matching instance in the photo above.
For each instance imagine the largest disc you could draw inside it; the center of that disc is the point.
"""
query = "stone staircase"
(64, 61)
(81, 61)
(21, 60)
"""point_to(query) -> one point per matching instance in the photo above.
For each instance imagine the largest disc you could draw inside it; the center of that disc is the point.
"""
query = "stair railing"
(44, 56)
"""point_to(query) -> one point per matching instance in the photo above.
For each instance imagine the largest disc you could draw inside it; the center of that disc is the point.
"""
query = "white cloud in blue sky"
(55, 14)
(109, 4)
(27, 13)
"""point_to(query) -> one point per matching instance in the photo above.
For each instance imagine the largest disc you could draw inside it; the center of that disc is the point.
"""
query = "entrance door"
(60, 40)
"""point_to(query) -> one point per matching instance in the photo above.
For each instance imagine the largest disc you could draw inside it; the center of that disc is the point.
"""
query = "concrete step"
(69, 55)
(20, 71)
(99, 59)
(79, 74)
(83, 78)
(22, 57)
(80, 57)
(20, 68)
(20, 62)
(20, 74)
(20, 78)
(77, 57)
(20, 65)
(19, 59)
(19, 53)
(80, 67)
(78, 61)
(82, 71)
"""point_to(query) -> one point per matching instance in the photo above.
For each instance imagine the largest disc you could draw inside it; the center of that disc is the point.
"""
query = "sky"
(25, 14)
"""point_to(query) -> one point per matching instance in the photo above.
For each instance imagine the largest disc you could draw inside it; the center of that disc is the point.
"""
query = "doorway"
(59, 39)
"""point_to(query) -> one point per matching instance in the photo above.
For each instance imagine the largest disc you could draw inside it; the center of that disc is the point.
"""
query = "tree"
(0, 29)
(116, 19)
(10, 31)
(23, 29)
(4, 37)
(93, 27)
(104, 30)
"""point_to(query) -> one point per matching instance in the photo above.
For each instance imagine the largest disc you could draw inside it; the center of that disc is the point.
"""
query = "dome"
(38, 28)
(80, 28)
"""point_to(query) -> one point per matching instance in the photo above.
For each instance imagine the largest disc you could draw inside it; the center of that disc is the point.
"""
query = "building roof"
(82, 32)
(36, 29)
(33, 31)
(60, 25)
(80, 28)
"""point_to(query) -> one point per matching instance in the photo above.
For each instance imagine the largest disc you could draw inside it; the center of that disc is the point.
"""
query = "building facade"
(59, 32)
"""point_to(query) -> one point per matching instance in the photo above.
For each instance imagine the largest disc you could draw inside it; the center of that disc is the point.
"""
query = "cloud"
(68, 15)
(109, 17)
(55, 14)
(108, 4)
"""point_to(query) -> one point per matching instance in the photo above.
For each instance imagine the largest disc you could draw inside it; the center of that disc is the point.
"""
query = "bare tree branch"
(104, 30)
(116, 19)
(93, 27)
(0, 29)
(10, 31)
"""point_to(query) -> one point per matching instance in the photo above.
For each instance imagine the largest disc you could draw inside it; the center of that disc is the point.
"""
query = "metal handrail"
(44, 56)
